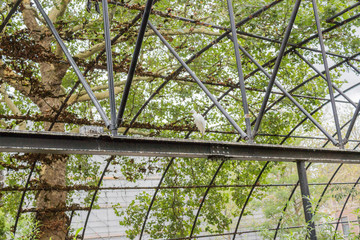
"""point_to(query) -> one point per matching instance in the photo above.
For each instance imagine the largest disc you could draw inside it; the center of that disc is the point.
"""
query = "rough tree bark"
(53, 167)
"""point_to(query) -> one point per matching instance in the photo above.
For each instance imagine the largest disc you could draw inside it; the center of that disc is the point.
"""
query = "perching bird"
(199, 122)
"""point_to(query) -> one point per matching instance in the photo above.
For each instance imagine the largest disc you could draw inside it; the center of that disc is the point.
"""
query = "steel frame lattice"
(252, 128)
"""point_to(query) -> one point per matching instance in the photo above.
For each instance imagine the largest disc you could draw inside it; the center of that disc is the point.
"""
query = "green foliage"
(4, 226)
(77, 233)
(167, 114)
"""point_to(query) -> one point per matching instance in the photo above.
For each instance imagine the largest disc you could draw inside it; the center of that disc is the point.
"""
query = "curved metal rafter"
(94, 195)
(154, 196)
(264, 109)
(70, 220)
(329, 183)
(266, 163)
(331, 19)
(324, 191)
(324, 77)
(23, 197)
(10, 14)
(309, 80)
(343, 208)
(204, 197)
(214, 26)
(287, 204)
(339, 24)
(248, 198)
(315, 111)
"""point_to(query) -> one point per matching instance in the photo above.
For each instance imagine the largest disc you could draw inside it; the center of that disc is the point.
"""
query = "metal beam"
(23, 197)
(356, 113)
(62, 143)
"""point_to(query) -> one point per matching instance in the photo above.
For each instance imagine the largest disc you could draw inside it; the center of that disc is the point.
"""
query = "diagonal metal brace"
(11, 12)
(202, 86)
(73, 64)
(276, 67)
(134, 60)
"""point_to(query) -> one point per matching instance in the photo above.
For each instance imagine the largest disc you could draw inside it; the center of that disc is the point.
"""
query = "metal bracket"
(219, 152)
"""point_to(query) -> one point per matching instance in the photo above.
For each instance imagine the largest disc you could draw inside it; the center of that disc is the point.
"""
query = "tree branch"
(12, 106)
(58, 10)
(29, 16)
(99, 96)
(83, 93)
(98, 47)
(14, 80)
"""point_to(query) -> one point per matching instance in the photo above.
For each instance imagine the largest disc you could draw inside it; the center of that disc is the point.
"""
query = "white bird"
(199, 121)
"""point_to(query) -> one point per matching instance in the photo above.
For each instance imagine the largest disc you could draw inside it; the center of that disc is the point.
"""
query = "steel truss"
(55, 143)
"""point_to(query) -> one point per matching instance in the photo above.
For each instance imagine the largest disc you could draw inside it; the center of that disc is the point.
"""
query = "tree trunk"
(49, 98)
(52, 224)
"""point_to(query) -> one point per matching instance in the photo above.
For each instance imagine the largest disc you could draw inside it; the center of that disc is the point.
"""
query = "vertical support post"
(305, 193)
(112, 127)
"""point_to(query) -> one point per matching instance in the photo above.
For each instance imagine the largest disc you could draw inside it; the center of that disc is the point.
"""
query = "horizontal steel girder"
(63, 143)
